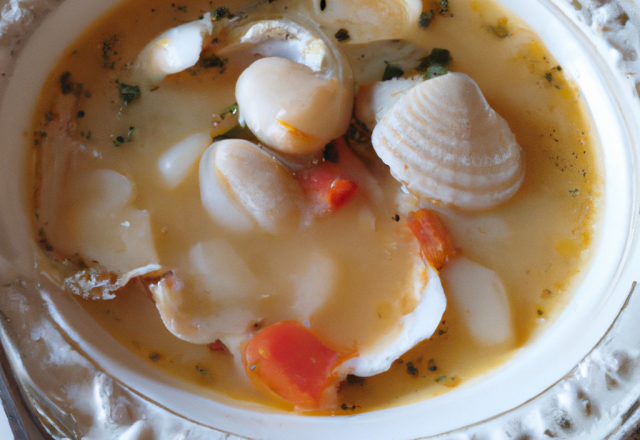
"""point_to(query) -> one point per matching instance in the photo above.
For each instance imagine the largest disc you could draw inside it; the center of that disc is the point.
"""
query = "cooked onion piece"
(174, 50)
(479, 293)
(103, 226)
(176, 164)
(242, 187)
(445, 143)
(368, 20)
(374, 100)
(291, 108)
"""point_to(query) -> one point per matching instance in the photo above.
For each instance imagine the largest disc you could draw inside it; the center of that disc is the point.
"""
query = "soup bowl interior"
(535, 367)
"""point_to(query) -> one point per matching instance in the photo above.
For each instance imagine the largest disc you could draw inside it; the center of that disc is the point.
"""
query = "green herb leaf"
(202, 370)
(444, 7)
(128, 93)
(435, 70)
(392, 71)
(67, 86)
(342, 35)
(425, 19)
(221, 13)
(438, 57)
(232, 109)
(411, 369)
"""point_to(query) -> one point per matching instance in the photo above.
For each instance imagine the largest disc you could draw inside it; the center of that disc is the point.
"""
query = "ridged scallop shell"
(444, 142)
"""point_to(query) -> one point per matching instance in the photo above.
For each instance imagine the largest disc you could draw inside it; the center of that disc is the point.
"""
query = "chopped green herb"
(220, 13)
(433, 368)
(574, 192)
(559, 69)
(49, 117)
(444, 7)
(67, 86)
(232, 109)
(128, 93)
(213, 61)
(36, 142)
(130, 133)
(345, 407)
(182, 8)
(330, 154)
(396, 218)
(437, 57)
(87, 95)
(202, 370)
(434, 71)
(425, 19)
(323, 5)
(108, 51)
(155, 357)
(117, 141)
(392, 71)
(81, 114)
(43, 134)
(548, 76)
(411, 369)
(342, 35)
(441, 378)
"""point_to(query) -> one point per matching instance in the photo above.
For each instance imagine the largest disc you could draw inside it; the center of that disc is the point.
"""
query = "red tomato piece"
(436, 244)
(217, 346)
(293, 362)
(326, 188)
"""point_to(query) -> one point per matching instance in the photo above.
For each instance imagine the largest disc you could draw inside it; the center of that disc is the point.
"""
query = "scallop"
(291, 108)
(368, 20)
(445, 143)
(242, 187)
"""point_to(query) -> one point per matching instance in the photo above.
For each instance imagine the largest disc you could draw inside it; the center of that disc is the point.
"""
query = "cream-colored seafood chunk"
(290, 108)
(445, 143)
(242, 187)
(368, 20)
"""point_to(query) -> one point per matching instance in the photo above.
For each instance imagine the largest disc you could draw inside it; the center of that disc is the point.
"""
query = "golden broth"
(538, 242)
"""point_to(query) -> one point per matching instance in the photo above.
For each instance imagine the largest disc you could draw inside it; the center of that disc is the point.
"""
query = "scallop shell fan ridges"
(445, 143)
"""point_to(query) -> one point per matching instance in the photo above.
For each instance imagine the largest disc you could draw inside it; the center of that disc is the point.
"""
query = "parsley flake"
(425, 19)
(342, 35)
(128, 93)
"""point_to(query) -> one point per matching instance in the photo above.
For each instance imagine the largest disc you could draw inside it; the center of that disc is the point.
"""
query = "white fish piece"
(242, 188)
(177, 163)
(374, 100)
(96, 223)
(292, 109)
(368, 20)
(174, 50)
(313, 284)
(413, 328)
(445, 143)
(195, 325)
(220, 271)
(480, 296)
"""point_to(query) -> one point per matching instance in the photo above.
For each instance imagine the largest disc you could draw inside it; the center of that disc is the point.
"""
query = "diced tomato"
(295, 363)
(217, 346)
(326, 188)
(436, 244)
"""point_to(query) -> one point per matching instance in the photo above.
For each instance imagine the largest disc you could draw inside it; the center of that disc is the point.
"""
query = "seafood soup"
(321, 206)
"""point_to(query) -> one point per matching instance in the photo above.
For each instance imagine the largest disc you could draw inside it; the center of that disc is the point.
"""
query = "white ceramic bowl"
(535, 367)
